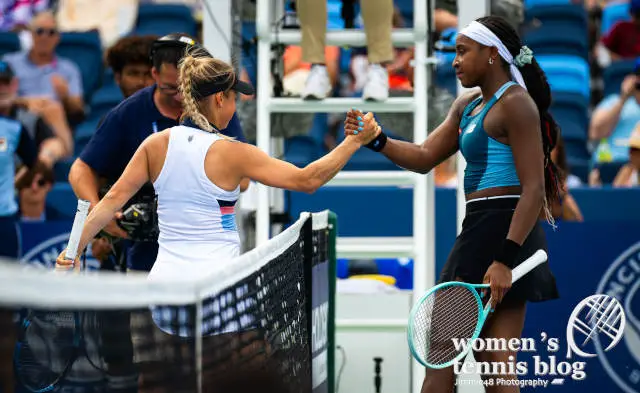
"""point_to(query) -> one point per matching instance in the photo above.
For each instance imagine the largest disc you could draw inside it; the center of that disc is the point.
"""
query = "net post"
(331, 330)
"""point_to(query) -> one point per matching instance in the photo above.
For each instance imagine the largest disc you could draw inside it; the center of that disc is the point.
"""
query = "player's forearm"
(84, 182)
(99, 217)
(526, 214)
(326, 168)
(409, 156)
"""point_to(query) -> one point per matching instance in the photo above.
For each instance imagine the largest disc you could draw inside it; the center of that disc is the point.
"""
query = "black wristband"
(508, 253)
(378, 143)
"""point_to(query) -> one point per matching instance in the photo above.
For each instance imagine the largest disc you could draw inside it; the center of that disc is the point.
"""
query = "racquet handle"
(531, 263)
(76, 230)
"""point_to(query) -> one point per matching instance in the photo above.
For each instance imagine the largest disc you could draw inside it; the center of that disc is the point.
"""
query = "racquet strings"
(46, 347)
(448, 314)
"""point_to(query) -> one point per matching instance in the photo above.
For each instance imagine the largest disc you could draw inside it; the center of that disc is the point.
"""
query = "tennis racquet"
(49, 342)
(449, 317)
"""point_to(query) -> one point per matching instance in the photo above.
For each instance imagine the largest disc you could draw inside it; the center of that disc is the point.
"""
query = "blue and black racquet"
(452, 314)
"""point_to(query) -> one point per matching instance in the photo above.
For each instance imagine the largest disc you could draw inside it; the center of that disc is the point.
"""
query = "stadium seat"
(578, 158)
(104, 99)
(557, 29)
(405, 7)
(537, 3)
(570, 111)
(162, 19)
(614, 74)
(612, 13)
(83, 133)
(61, 169)
(566, 73)
(301, 150)
(85, 49)
(445, 75)
(107, 77)
(62, 198)
(9, 43)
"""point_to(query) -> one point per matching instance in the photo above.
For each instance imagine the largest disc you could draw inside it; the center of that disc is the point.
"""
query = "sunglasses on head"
(43, 31)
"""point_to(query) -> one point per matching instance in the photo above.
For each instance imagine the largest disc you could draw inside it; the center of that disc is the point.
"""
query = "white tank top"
(196, 218)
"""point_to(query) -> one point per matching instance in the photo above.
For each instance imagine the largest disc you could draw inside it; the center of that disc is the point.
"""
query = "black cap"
(222, 83)
(6, 72)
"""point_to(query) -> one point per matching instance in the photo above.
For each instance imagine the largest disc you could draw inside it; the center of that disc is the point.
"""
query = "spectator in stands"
(131, 65)
(16, 15)
(615, 118)
(377, 15)
(33, 202)
(565, 207)
(50, 148)
(129, 60)
(113, 18)
(44, 76)
(446, 12)
(629, 175)
(623, 40)
(14, 140)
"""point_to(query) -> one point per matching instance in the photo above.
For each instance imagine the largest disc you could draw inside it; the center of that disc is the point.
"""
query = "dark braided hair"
(539, 90)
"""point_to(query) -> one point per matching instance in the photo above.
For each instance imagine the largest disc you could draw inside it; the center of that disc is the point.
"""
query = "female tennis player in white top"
(196, 173)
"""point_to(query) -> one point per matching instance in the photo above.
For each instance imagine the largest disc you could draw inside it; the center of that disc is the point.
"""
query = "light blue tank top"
(489, 162)
(9, 139)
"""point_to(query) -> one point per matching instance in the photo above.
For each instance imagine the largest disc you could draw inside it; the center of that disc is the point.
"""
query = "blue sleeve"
(102, 151)
(608, 102)
(234, 129)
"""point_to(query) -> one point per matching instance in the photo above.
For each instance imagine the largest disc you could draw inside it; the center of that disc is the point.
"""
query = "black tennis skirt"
(484, 229)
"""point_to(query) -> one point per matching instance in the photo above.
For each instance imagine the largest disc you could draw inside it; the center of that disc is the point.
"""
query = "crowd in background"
(45, 91)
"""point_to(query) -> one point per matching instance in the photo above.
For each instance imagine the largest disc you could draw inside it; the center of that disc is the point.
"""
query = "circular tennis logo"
(621, 281)
(44, 255)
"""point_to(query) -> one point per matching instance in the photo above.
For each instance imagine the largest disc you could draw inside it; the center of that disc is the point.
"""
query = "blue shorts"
(10, 235)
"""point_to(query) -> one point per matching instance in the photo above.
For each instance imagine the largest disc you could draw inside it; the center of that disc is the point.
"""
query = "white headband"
(482, 35)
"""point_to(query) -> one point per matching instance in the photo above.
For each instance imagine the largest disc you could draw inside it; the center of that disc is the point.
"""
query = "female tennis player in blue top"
(506, 134)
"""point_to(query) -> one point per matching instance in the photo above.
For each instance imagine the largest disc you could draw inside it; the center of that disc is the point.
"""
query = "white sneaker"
(318, 85)
(377, 86)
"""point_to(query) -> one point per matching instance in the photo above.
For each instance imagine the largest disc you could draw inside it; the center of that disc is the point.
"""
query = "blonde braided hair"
(194, 68)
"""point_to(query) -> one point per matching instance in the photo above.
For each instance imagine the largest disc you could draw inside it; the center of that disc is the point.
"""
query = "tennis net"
(256, 322)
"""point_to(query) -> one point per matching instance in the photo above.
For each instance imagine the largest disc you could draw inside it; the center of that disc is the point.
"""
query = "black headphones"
(173, 40)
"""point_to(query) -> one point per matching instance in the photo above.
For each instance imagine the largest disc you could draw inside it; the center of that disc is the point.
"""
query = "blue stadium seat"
(609, 171)
(301, 150)
(578, 158)
(162, 19)
(537, 3)
(445, 74)
(557, 29)
(85, 49)
(62, 198)
(614, 74)
(107, 77)
(612, 13)
(405, 7)
(566, 73)
(9, 43)
(83, 133)
(104, 99)
(570, 111)
(61, 169)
